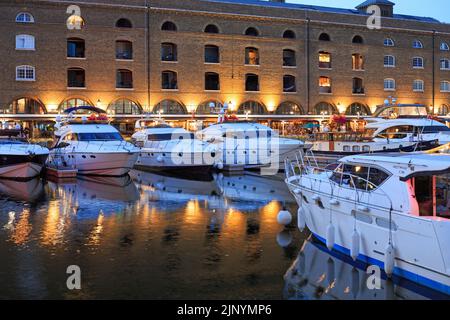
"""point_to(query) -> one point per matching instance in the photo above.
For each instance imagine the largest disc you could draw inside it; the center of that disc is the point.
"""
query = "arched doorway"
(251, 107)
(169, 107)
(357, 109)
(324, 108)
(208, 107)
(289, 108)
(125, 107)
(25, 106)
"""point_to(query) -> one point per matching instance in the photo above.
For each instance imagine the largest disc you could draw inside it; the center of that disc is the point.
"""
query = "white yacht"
(91, 146)
(19, 159)
(250, 145)
(390, 210)
(167, 148)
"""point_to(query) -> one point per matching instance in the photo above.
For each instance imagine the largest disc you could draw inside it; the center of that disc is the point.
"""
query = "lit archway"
(356, 109)
(24, 105)
(207, 107)
(169, 107)
(325, 108)
(252, 107)
(73, 103)
(289, 108)
(124, 106)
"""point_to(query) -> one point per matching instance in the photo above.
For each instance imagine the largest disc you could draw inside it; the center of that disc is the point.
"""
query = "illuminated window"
(124, 106)
(25, 106)
(357, 109)
(325, 85)
(324, 108)
(357, 61)
(289, 108)
(251, 107)
(75, 22)
(251, 56)
(169, 107)
(324, 60)
(25, 73)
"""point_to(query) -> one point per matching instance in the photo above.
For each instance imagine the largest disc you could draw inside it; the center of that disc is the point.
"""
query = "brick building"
(263, 58)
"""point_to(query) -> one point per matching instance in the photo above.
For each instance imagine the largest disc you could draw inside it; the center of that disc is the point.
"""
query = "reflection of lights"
(23, 228)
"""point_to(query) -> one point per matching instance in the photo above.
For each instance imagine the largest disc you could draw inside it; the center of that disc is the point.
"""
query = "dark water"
(149, 236)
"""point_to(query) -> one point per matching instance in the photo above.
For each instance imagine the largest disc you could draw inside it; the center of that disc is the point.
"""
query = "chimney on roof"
(387, 7)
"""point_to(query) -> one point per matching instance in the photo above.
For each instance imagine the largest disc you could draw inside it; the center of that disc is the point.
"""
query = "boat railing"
(307, 174)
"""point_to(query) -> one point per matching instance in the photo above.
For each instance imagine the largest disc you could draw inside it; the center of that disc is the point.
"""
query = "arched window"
(388, 42)
(75, 48)
(289, 84)
(253, 32)
(124, 106)
(25, 106)
(24, 17)
(445, 64)
(417, 44)
(124, 79)
(212, 54)
(289, 108)
(289, 58)
(212, 81)
(444, 110)
(417, 63)
(356, 109)
(211, 28)
(358, 39)
(324, 37)
(169, 52)
(124, 23)
(444, 46)
(25, 73)
(169, 107)
(124, 50)
(208, 106)
(251, 82)
(74, 102)
(169, 26)
(251, 56)
(76, 78)
(169, 80)
(289, 34)
(324, 108)
(25, 42)
(251, 107)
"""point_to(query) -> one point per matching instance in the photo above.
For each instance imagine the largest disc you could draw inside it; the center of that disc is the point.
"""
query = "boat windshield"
(98, 136)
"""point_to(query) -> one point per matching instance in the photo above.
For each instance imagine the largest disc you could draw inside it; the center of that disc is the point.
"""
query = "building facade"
(182, 58)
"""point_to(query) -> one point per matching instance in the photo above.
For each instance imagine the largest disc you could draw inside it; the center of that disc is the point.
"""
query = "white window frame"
(28, 40)
(421, 63)
(26, 69)
(389, 42)
(417, 44)
(445, 86)
(31, 20)
(418, 85)
(447, 63)
(393, 88)
(389, 65)
(444, 46)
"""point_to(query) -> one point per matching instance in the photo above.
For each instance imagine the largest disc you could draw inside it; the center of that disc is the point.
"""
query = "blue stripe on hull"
(397, 271)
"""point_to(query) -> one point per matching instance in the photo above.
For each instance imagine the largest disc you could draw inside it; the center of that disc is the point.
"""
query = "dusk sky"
(438, 9)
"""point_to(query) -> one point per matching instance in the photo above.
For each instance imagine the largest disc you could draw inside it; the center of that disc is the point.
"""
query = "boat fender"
(301, 219)
(284, 239)
(284, 217)
(159, 158)
(389, 260)
(356, 243)
(219, 165)
(330, 236)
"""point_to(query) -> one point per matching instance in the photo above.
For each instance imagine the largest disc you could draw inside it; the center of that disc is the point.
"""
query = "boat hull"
(426, 267)
(98, 164)
(22, 167)
(156, 160)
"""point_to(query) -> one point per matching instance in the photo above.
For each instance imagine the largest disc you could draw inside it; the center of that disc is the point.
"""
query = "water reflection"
(318, 274)
(146, 236)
